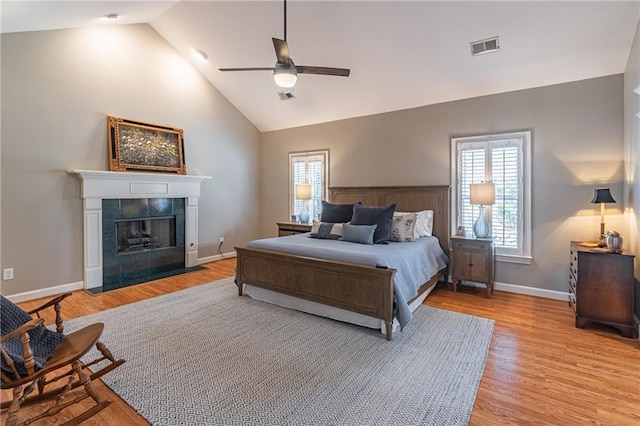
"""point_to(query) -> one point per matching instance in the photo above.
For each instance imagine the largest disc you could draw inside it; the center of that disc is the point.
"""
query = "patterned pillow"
(362, 234)
(424, 226)
(404, 228)
(326, 231)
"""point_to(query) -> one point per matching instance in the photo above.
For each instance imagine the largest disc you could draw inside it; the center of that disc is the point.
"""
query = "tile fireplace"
(142, 240)
(137, 225)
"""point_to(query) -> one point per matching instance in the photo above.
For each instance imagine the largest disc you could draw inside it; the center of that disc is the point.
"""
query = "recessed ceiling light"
(111, 16)
(200, 54)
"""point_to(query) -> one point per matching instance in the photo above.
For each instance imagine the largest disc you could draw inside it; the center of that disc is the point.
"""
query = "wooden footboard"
(357, 288)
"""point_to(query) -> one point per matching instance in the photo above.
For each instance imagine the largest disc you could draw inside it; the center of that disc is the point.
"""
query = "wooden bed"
(356, 288)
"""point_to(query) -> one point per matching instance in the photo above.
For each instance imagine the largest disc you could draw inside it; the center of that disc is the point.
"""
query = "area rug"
(206, 356)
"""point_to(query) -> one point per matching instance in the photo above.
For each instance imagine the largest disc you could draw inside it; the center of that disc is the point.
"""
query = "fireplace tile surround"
(121, 269)
(98, 186)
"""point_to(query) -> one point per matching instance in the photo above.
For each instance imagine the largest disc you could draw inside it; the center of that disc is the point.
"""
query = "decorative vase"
(303, 217)
(481, 228)
(614, 241)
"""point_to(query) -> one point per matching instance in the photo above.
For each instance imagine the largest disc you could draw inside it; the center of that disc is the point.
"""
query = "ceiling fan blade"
(306, 69)
(282, 51)
(246, 69)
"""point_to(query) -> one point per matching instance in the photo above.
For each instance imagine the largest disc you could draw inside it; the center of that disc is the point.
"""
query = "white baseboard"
(216, 257)
(529, 291)
(64, 288)
(533, 291)
(45, 292)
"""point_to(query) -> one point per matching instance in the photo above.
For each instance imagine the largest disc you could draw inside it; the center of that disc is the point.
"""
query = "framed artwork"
(137, 146)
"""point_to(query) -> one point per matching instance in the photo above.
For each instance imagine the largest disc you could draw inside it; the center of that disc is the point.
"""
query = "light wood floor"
(541, 369)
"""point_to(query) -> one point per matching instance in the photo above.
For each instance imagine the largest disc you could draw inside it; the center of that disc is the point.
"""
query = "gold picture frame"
(138, 146)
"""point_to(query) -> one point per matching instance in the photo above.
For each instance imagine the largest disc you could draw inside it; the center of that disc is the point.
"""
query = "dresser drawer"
(572, 303)
(573, 262)
(572, 283)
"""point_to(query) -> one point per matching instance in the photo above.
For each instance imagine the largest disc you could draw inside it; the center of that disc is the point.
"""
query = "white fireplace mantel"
(98, 185)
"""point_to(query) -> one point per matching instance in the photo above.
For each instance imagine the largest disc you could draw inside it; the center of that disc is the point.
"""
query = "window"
(505, 160)
(310, 167)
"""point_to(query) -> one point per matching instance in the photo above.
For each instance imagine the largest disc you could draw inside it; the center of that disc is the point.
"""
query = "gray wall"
(632, 157)
(57, 89)
(577, 144)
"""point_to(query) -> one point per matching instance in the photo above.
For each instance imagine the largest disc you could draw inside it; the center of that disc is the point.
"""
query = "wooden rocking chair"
(23, 371)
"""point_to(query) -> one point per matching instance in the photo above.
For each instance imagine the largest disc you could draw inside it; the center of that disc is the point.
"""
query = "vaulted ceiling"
(402, 54)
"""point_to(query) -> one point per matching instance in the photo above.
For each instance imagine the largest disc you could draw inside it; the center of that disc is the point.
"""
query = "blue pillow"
(336, 213)
(362, 234)
(381, 216)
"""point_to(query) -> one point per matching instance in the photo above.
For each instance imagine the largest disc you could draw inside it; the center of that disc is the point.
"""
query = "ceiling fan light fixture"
(285, 76)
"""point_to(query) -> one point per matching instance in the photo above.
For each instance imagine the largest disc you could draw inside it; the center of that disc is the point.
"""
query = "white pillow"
(403, 228)
(424, 225)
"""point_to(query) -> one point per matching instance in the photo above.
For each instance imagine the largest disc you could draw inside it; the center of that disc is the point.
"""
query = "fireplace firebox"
(143, 239)
(135, 235)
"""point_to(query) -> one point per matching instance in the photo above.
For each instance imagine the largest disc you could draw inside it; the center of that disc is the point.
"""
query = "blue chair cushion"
(42, 340)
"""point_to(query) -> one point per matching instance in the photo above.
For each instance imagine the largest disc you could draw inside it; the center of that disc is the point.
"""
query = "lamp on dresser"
(483, 194)
(303, 192)
(602, 196)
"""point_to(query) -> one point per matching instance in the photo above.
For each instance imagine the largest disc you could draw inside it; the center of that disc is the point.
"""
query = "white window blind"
(504, 160)
(308, 167)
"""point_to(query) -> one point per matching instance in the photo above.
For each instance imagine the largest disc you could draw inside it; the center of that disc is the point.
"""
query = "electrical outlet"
(7, 274)
(221, 240)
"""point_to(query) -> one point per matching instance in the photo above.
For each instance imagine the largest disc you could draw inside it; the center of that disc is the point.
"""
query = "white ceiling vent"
(485, 46)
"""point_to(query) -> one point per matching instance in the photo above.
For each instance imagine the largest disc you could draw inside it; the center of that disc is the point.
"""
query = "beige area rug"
(205, 356)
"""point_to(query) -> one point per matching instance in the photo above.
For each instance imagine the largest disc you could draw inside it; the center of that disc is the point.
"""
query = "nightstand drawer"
(284, 233)
(471, 246)
(292, 228)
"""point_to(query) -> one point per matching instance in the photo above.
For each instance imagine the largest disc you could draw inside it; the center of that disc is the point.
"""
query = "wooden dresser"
(601, 287)
(291, 228)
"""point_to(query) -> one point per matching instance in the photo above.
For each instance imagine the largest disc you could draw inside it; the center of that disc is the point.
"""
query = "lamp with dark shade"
(303, 192)
(602, 196)
(483, 194)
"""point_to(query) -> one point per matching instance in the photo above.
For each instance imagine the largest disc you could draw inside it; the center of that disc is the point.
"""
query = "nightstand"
(473, 259)
(292, 228)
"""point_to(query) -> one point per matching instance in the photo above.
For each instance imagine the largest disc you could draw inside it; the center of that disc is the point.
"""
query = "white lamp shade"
(483, 193)
(303, 191)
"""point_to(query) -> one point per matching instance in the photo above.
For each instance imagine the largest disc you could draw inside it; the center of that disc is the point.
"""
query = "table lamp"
(303, 192)
(483, 194)
(602, 196)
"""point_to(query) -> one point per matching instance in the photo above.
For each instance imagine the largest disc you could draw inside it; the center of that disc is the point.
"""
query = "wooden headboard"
(406, 198)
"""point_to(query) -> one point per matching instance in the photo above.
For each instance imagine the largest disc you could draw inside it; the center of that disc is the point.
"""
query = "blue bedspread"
(414, 262)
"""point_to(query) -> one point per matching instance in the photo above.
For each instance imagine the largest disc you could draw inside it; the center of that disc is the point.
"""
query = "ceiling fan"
(285, 71)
